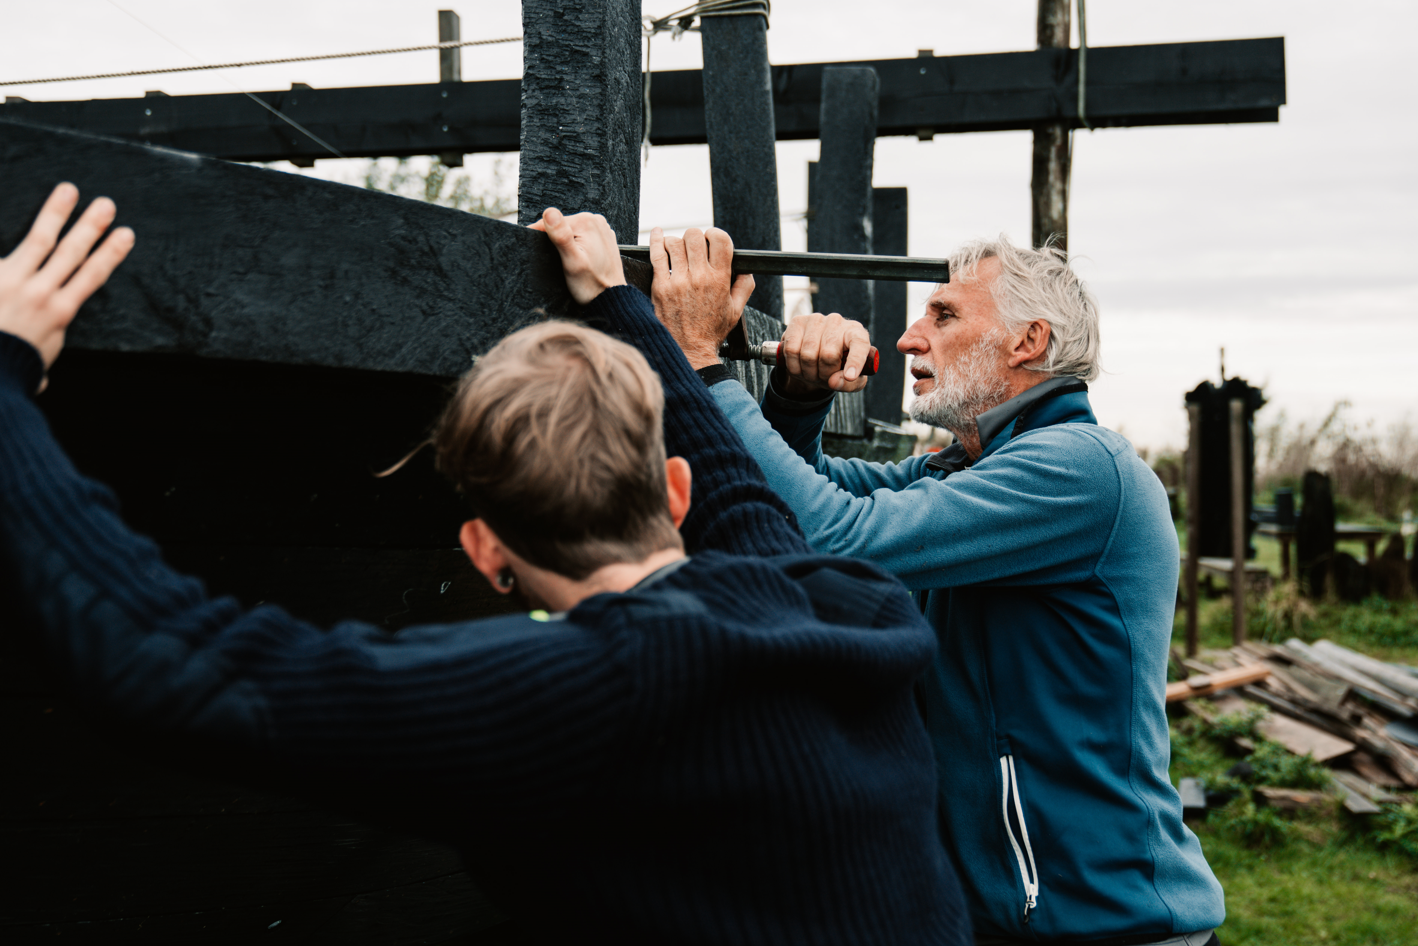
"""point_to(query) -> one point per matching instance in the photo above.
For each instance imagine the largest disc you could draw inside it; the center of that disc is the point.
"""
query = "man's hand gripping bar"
(822, 265)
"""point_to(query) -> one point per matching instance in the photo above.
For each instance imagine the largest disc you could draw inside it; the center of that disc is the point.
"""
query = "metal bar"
(1165, 84)
(831, 265)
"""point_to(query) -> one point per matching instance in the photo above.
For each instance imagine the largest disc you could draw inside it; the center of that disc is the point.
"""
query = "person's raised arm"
(733, 508)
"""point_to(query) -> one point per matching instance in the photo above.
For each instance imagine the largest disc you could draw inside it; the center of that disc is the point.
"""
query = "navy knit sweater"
(729, 754)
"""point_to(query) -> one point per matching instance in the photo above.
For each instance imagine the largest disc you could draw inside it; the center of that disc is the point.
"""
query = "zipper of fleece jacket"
(1028, 873)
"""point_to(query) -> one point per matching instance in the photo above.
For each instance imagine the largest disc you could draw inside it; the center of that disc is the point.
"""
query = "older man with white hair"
(1040, 548)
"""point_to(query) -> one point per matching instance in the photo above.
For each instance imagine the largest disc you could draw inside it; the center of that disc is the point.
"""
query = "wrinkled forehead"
(969, 291)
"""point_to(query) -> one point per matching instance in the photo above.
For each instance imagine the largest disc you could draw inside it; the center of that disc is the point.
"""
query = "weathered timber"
(1165, 84)
(246, 263)
(841, 210)
(1048, 184)
(889, 318)
(1386, 674)
(1241, 475)
(1314, 534)
(1215, 517)
(1202, 684)
(582, 110)
(1293, 799)
(738, 121)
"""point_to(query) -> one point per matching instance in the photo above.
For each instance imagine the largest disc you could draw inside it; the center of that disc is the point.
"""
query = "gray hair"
(1038, 284)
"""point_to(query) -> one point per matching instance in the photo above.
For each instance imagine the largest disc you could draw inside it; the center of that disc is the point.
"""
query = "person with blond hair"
(705, 734)
(1040, 548)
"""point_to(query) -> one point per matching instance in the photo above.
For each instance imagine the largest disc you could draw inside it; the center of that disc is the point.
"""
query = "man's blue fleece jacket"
(728, 754)
(1048, 569)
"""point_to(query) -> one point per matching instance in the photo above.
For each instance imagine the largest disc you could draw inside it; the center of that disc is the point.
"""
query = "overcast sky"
(1291, 244)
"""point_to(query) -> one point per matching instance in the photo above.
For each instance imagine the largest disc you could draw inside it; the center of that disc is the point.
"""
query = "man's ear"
(1031, 344)
(484, 551)
(677, 477)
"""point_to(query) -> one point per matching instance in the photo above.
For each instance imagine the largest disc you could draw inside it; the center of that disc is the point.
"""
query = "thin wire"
(451, 44)
(270, 108)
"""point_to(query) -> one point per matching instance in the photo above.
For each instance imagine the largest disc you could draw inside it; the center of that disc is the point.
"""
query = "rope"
(452, 44)
(682, 21)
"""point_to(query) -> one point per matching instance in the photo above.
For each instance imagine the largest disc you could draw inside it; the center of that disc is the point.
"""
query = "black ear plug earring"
(506, 580)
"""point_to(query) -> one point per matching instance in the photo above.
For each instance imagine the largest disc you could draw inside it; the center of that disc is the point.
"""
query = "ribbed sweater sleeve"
(507, 706)
(733, 508)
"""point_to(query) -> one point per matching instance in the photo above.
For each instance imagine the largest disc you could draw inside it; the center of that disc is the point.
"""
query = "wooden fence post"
(1193, 464)
(1238, 520)
(842, 217)
(582, 111)
(889, 301)
(450, 69)
(1049, 184)
(738, 119)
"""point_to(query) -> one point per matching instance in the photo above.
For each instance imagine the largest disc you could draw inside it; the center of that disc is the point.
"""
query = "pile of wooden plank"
(1355, 714)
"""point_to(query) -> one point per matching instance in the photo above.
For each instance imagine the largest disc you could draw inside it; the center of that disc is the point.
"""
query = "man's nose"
(912, 343)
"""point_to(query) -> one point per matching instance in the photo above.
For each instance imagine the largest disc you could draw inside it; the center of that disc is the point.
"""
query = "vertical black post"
(842, 215)
(450, 68)
(889, 318)
(1189, 582)
(1240, 508)
(581, 111)
(738, 116)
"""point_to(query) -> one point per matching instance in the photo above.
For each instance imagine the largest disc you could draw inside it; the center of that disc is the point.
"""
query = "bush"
(1251, 825)
(1398, 828)
(1275, 765)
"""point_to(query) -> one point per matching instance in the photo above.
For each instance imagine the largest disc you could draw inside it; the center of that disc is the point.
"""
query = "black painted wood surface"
(743, 166)
(841, 209)
(246, 263)
(1164, 84)
(889, 306)
(258, 479)
(582, 103)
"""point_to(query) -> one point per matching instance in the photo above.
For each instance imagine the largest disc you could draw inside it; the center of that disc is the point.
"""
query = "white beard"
(971, 386)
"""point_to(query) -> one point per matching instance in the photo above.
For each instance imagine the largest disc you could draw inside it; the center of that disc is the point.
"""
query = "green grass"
(1324, 877)
(1313, 878)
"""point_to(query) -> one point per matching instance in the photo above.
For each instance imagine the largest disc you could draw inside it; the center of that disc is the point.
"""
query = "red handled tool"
(771, 353)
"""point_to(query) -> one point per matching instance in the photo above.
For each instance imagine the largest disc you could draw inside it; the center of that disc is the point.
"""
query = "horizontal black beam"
(1165, 84)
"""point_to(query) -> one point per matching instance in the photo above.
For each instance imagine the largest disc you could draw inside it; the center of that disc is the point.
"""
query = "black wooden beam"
(1164, 84)
(251, 264)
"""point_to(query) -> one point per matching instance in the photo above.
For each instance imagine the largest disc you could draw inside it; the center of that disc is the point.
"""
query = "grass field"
(1319, 877)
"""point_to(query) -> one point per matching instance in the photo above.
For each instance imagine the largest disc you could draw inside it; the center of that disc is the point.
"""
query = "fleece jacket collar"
(1043, 405)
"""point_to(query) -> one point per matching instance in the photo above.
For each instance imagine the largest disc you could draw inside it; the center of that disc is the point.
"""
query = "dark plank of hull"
(246, 263)
(221, 453)
(1165, 84)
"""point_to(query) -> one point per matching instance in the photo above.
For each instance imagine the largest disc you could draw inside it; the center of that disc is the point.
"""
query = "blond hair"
(555, 439)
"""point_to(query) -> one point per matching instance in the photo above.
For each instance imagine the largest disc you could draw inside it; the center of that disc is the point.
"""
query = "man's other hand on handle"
(588, 252)
(45, 280)
(825, 352)
(694, 291)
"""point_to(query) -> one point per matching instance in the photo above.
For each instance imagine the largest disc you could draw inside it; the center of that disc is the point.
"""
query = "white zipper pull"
(1028, 872)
